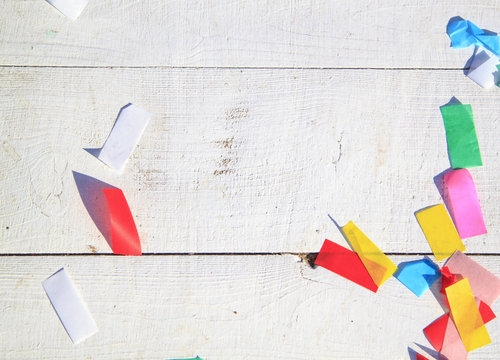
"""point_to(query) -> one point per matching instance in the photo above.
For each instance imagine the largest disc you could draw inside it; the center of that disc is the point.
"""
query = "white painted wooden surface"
(238, 160)
(268, 115)
(298, 33)
(218, 307)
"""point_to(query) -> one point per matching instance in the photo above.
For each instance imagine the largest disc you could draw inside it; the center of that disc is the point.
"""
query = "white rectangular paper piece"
(483, 70)
(124, 136)
(71, 8)
(69, 306)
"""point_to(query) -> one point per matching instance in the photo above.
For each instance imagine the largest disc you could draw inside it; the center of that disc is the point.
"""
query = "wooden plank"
(218, 307)
(237, 160)
(381, 33)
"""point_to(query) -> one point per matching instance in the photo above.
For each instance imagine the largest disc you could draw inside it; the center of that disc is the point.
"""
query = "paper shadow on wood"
(91, 192)
(432, 352)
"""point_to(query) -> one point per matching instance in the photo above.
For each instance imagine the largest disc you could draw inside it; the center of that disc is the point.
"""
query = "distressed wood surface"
(237, 160)
(217, 307)
(277, 33)
(267, 116)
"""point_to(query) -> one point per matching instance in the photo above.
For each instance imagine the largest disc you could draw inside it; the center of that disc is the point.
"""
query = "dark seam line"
(227, 67)
(220, 254)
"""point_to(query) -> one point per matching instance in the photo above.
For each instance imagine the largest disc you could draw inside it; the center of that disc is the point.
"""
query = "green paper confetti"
(463, 147)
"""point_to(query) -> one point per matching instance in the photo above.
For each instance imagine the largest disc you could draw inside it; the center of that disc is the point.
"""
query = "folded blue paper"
(418, 275)
(463, 33)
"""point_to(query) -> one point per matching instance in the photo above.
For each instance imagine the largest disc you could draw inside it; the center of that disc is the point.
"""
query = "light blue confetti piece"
(463, 33)
(418, 275)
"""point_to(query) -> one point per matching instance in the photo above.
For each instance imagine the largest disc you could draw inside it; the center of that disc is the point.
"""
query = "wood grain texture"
(237, 160)
(218, 307)
(278, 33)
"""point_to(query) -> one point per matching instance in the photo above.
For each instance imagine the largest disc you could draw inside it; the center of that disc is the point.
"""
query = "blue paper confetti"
(463, 34)
(418, 275)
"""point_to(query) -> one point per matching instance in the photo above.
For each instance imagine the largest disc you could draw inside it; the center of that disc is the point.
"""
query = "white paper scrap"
(483, 70)
(69, 306)
(71, 8)
(124, 136)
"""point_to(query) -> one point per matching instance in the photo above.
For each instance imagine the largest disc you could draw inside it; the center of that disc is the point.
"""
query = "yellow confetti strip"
(439, 231)
(466, 315)
(379, 266)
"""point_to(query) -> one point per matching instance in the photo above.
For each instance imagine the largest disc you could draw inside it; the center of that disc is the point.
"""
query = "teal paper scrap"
(418, 276)
(464, 33)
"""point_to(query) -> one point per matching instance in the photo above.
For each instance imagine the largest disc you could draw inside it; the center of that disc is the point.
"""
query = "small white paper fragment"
(124, 136)
(69, 306)
(71, 8)
(483, 70)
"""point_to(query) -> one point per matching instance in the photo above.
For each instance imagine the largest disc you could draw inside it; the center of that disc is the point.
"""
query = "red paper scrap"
(447, 278)
(486, 313)
(421, 357)
(435, 332)
(345, 263)
(124, 237)
(444, 337)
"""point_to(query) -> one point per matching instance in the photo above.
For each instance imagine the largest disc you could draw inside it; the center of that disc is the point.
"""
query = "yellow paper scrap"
(439, 231)
(379, 266)
(466, 315)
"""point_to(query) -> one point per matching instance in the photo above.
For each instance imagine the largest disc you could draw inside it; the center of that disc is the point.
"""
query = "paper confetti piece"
(418, 276)
(111, 214)
(485, 285)
(453, 348)
(69, 306)
(345, 263)
(464, 33)
(439, 231)
(466, 315)
(463, 147)
(124, 136)
(447, 278)
(124, 236)
(463, 203)
(483, 70)
(379, 266)
(436, 330)
(70, 8)
(444, 337)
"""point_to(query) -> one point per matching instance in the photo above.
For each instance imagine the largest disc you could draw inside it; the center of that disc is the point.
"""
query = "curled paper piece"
(464, 33)
(466, 315)
(70, 8)
(124, 136)
(439, 231)
(345, 263)
(379, 266)
(418, 276)
(483, 70)
(463, 203)
(485, 285)
(111, 214)
(447, 278)
(463, 147)
(69, 306)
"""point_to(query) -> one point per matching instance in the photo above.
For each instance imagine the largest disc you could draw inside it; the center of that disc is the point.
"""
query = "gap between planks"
(12, 66)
